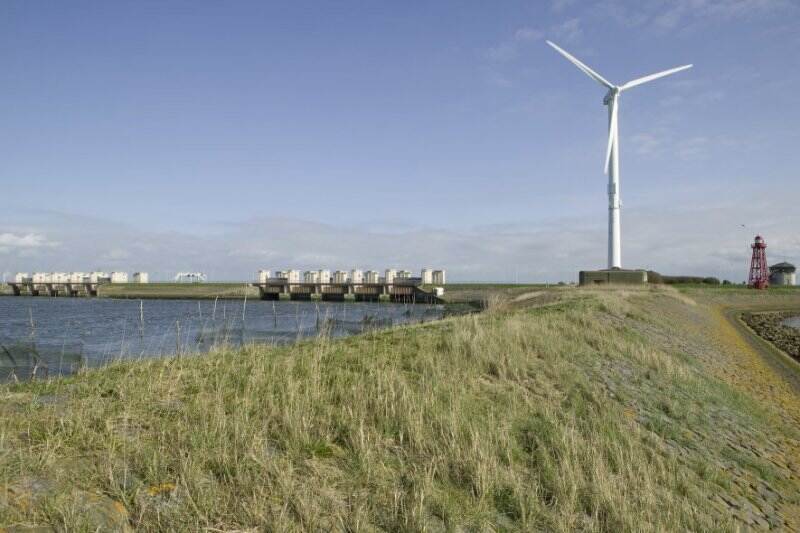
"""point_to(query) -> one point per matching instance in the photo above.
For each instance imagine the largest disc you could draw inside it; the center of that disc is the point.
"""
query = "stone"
(27, 492)
(96, 511)
(102, 513)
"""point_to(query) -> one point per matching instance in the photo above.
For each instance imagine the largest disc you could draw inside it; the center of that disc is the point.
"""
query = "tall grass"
(498, 421)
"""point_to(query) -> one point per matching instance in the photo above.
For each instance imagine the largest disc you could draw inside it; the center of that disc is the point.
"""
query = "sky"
(227, 137)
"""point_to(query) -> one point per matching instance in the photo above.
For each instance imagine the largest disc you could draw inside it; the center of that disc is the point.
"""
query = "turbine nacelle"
(612, 93)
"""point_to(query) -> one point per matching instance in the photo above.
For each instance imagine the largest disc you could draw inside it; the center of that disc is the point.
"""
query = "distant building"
(190, 277)
(612, 276)
(427, 276)
(372, 276)
(21, 277)
(293, 276)
(390, 275)
(141, 277)
(356, 276)
(438, 277)
(340, 276)
(403, 274)
(324, 276)
(262, 276)
(59, 277)
(95, 277)
(77, 277)
(782, 274)
(118, 277)
(311, 276)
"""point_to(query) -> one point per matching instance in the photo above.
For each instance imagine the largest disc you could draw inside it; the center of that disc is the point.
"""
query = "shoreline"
(769, 326)
(515, 401)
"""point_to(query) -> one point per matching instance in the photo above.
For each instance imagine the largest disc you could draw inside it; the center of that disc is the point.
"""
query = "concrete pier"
(279, 289)
(29, 288)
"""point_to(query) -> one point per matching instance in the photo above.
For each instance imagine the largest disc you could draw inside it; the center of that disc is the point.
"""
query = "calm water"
(59, 335)
(793, 322)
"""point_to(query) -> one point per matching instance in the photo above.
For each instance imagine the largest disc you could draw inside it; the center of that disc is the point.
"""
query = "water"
(48, 336)
(792, 322)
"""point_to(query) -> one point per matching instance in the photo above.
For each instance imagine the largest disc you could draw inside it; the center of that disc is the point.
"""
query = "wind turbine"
(612, 150)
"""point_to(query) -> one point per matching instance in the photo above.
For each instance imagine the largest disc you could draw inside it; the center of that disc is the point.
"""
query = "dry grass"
(177, 290)
(508, 420)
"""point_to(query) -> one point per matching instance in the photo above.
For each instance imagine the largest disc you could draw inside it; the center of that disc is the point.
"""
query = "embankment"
(769, 325)
(144, 291)
(558, 411)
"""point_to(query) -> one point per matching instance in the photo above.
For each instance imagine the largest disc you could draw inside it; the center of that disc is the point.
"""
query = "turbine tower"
(612, 150)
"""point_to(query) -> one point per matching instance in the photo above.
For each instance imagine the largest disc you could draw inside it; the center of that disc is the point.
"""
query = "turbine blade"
(586, 70)
(651, 77)
(612, 131)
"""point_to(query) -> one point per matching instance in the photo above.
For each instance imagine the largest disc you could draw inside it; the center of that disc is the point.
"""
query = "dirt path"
(780, 362)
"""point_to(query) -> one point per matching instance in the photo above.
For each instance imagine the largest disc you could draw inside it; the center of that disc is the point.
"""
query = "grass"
(177, 290)
(557, 413)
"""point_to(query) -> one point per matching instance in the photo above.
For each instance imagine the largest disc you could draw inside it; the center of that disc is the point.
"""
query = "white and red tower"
(759, 273)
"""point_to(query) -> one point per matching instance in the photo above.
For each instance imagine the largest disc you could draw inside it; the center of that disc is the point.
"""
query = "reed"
(574, 414)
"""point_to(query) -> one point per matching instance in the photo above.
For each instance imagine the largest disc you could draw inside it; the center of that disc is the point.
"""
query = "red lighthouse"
(759, 274)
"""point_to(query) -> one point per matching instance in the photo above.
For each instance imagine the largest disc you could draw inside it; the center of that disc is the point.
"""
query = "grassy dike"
(555, 410)
(176, 290)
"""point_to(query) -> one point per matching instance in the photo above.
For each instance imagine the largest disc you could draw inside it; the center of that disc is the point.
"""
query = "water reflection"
(51, 336)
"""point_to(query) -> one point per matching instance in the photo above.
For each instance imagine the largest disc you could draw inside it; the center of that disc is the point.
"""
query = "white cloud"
(501, 53)
(497, 79)
(27, 241)
(505, 52)
(561, 5)
(509, 49)
(668, 16)
(646, 143)
(549, 250)
(569, 31)
(528, 34)
(693, 147)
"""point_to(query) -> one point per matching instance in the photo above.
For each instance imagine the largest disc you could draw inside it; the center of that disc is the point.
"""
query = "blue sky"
(227, 137)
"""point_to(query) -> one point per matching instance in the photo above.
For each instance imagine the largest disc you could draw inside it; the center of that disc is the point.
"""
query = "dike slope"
(616, 410)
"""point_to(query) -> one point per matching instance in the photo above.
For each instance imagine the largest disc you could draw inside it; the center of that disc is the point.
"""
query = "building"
(118, 277)
(190, 277)
(262, 276)
(438, 277)
(77, 277)
(293, 276)
(40, 277)
(59, 277)
(94, 277)
(403, 274)
(340, 276)
(311, 276)
(427, 276)
(324, 276)
(782, 274)
(356, 276)
(141, 277)
(614, 276)
(281, 274)
(372, 276)
(388, 278)
(21, 277)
